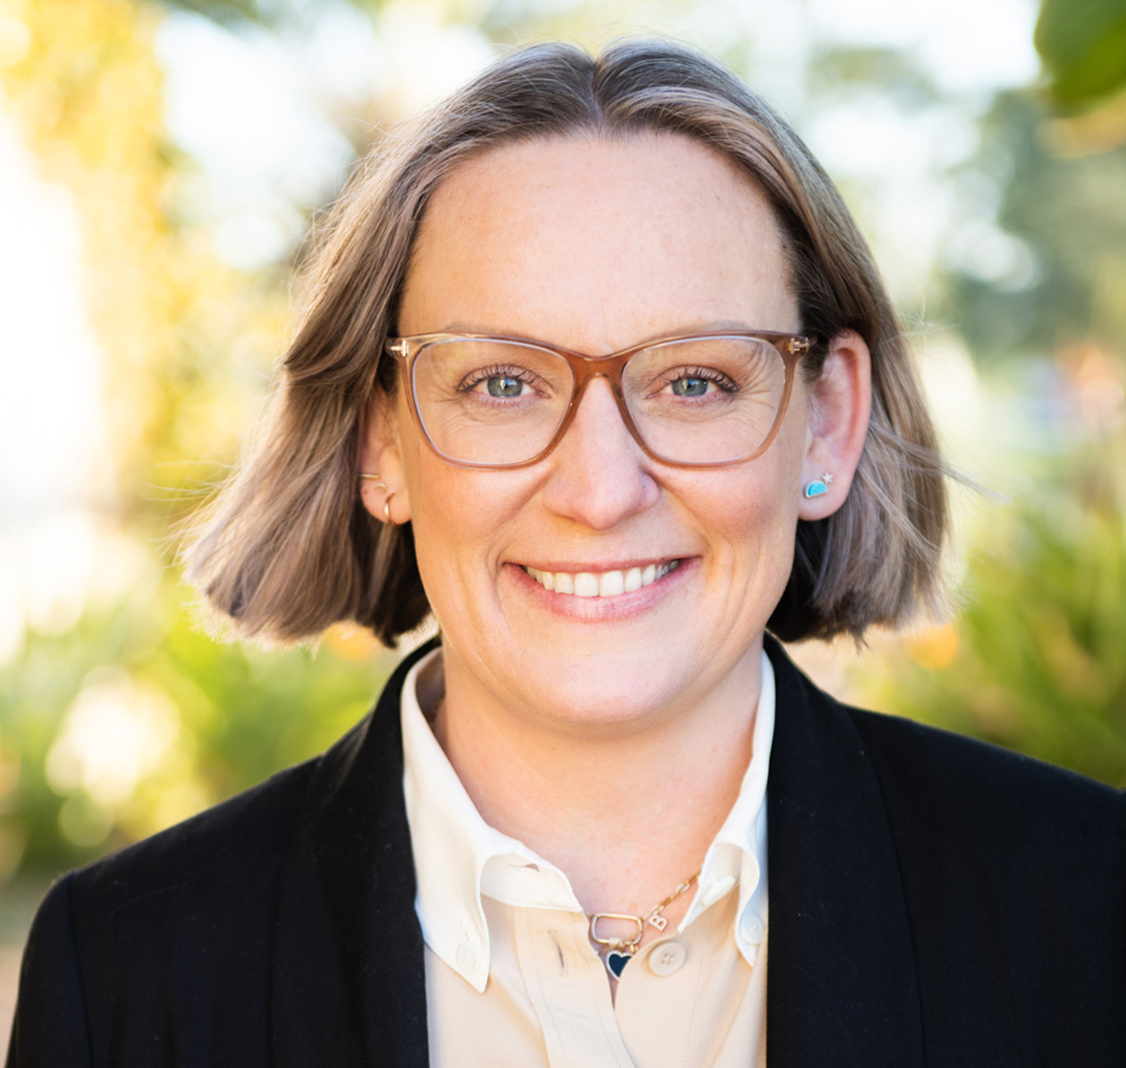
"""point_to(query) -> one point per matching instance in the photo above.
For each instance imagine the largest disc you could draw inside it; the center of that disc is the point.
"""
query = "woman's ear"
(386, 496)
(840, 403)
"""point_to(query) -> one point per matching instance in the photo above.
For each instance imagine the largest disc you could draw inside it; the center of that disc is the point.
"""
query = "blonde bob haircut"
(286, 548)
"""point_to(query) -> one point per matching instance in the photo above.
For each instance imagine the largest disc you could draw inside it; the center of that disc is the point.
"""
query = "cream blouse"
(511, 977)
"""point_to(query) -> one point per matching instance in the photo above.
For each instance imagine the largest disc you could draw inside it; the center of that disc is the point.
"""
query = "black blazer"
(933, 901)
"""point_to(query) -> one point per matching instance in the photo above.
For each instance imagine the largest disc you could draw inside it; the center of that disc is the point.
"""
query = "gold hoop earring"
(387, 511)
(371, 476)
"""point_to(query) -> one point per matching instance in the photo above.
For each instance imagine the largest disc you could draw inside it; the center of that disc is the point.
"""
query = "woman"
(596, 368)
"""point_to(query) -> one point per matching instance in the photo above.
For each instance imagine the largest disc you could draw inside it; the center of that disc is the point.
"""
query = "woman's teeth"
(602, 583)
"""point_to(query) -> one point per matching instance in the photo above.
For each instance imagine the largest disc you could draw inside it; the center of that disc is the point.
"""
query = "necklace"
(621, 950)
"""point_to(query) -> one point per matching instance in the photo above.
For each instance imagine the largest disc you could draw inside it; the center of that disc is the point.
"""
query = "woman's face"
(595, 246)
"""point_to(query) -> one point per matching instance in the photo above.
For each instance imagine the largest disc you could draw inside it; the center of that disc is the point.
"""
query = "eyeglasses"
(702, 401)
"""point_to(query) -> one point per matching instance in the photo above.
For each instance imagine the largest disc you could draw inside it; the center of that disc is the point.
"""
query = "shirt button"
(466, 957)
(753, 930)
(667, 958)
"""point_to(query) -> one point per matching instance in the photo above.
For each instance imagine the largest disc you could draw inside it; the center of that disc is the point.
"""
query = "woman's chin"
(604, 693)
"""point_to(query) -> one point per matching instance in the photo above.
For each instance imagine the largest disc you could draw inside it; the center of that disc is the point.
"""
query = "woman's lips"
(602, 583)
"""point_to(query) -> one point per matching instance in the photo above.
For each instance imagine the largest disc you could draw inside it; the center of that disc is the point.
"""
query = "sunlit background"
(160, 164)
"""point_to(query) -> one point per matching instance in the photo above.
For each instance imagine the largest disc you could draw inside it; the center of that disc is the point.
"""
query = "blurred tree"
(167, 311)
(1056, 273)
(131, 720)
(1035, 279)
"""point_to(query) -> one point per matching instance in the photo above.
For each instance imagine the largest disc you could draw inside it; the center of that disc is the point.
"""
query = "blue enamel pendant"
(616, 962)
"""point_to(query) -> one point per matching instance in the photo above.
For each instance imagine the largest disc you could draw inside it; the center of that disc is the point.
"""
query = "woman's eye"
(499, 383)
(503, 386)
(689, 386)
(698, 382)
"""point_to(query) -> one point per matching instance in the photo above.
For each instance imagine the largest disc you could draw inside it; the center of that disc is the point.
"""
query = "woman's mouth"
(602, 583)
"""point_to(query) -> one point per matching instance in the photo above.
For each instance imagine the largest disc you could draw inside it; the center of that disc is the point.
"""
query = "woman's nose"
(599, 476)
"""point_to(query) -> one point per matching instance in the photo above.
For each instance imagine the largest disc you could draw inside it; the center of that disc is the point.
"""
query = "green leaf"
(1083, 46)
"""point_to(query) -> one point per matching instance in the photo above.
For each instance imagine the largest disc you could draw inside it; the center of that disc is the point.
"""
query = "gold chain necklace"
(621, 950)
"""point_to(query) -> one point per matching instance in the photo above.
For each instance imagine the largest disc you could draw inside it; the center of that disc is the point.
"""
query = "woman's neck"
(627, 814)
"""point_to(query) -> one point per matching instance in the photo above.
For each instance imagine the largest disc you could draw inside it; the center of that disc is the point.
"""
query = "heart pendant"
(616, 962)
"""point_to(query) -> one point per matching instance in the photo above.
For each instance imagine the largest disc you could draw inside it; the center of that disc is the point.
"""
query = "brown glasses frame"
(791, 347)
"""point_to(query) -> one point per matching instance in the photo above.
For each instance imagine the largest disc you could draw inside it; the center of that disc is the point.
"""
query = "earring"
(371, 476)
(387, 511)
(818, 487)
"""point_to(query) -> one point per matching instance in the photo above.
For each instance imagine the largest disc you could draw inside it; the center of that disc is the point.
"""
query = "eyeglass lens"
(693, 400)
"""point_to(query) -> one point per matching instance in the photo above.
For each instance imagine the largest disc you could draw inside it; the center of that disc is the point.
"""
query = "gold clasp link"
(627, 945)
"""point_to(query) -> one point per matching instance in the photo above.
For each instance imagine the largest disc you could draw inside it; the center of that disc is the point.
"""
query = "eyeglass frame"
(790, 347)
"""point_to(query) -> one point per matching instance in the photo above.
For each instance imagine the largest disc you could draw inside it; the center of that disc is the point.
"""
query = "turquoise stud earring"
(818, 487)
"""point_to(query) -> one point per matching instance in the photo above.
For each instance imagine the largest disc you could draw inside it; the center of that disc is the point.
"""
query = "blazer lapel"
(842, 987)
(349, 975)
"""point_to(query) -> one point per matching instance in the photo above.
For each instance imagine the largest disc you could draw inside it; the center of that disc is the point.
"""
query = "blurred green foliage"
(1036, 659)
(1083, 45)
(226, 12)
(135, 718)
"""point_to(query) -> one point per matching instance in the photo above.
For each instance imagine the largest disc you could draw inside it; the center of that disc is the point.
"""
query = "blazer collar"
(842, 987)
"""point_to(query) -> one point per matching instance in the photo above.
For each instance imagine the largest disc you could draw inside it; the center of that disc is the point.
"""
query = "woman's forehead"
(656, 228)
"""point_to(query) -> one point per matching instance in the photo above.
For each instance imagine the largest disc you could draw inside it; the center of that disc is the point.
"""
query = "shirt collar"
(458, 857)
(737, 855)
